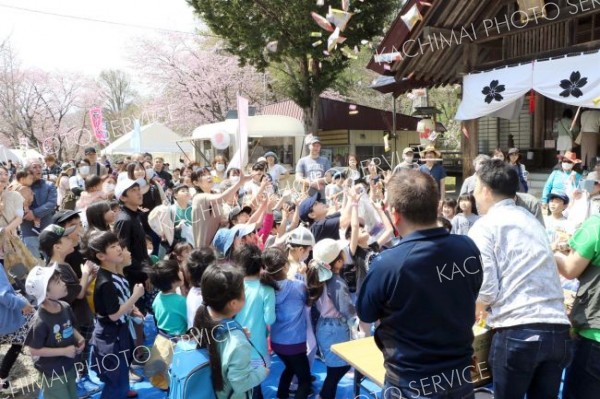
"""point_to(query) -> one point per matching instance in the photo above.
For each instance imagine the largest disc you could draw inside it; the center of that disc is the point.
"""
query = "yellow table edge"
(362, 354)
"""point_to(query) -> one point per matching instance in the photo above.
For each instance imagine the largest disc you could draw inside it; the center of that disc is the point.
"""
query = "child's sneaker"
(86, 387)
(5, 387)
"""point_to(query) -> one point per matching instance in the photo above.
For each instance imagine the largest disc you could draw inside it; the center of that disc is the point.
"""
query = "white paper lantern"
(220, 140)
(425, 127)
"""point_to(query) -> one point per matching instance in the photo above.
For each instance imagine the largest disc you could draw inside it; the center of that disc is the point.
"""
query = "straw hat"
(431, 148)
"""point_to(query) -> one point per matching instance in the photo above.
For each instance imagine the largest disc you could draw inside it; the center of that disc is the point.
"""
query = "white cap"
(36, 284)
(301, 236)
(328, 249)
(122, 186)
(243, 229)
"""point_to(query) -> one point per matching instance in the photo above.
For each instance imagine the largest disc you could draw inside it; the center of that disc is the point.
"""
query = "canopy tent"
(258, 126)
(571, 80)
(18, 155)
(155, 138)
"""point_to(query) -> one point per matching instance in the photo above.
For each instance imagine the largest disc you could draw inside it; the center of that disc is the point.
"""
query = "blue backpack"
(190, 376)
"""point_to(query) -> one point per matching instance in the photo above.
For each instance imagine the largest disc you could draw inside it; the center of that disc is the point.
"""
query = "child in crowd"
(22, 185)
(197, 263)
(466, 215)
(288, 333)
(299, 244)
(56, 244)
(259, 311)
(53, 340)
(334, 189)
(92, 193)
(557, 225)
(233, 374)
(180, 254)
(100, 216)
(170, 315)
(329, 292)
(449, 208)
(114, 303)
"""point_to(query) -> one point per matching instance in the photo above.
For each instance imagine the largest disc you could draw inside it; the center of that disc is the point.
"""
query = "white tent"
(18, 155)
(156, 139)
(258, 126)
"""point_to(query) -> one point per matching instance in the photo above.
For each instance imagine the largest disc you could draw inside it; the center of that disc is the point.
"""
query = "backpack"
(190, 375)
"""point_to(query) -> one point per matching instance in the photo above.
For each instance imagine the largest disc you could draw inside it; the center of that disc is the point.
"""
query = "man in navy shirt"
(423, 291)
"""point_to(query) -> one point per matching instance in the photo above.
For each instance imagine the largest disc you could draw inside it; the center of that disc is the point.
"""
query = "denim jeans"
(529, 360)
(424, 389)
(329, 332)
(583, 375)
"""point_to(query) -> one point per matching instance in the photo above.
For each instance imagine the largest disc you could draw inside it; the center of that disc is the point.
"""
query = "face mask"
(141, 181)
(567, 166)
(84, 170)
(220, 167)
(149, 173)
(234, 179)
(109, 187)
(408, 158)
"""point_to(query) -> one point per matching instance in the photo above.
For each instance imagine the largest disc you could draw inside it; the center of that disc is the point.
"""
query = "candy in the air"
(412, 17)
(339, 18)
(272, 46)
(322, 22)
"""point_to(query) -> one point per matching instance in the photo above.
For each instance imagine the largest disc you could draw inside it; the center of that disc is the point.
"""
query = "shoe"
(5, 387)
(132, 394)
(133, 377)
(86, 387)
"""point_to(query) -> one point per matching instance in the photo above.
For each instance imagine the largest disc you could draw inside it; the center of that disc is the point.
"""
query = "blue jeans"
(427, 389)
(33, 245)
(529, 359)
(583, 375)
(329, 332)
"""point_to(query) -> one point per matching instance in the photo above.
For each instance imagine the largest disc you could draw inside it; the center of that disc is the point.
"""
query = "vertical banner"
(136, 137)
(242, 108)
(97, 124)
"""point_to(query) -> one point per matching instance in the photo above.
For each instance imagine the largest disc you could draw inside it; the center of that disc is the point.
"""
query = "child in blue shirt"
(170, 314)
(288, 333)
(230, 351)
(259, 311)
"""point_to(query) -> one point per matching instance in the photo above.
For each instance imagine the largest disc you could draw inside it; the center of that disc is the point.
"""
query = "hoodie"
(11, 303)
(290, 321)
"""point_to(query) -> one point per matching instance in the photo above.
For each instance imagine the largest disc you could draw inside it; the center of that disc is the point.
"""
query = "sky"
(53, 42)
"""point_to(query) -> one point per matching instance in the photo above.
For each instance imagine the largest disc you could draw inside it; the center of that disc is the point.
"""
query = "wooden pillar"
(470, 146)
(539, 122)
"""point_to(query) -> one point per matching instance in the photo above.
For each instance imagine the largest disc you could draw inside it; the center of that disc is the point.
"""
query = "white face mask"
(408, 158)
(234, 179)
(109, 187)
(84, 170)
(567, 166)
(149, 173)
(220, 167)
(141, 181)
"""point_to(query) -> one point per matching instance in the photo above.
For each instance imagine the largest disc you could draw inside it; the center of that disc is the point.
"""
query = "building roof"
(334, 115)
(457, 37)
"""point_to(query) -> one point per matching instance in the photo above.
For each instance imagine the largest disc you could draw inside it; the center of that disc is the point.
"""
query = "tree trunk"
(311, 115)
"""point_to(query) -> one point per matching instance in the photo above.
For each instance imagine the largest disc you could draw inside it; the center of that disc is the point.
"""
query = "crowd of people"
(300, 264)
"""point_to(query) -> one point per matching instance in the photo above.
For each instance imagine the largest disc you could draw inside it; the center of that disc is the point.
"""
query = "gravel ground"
(23, 377)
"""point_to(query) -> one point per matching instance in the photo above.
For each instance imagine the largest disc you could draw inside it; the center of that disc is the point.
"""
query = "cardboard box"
(481, 374)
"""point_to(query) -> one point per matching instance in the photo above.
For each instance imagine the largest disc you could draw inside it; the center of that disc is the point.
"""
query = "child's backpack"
(190, 375)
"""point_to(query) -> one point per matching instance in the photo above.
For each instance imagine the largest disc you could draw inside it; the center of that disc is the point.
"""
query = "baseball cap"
(223, 240)
(90, 150)
(313, 139)
(327, 249)
(301, 236)
(277, 216)
(236, 210)
(244, 229)
(270, 154)
(61, 217)
(559, 194)
(513, 151)
(37, 281)
(122, 186)
(407, 150)
(306, 206)
(52, 235)
(66, 166)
